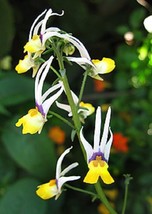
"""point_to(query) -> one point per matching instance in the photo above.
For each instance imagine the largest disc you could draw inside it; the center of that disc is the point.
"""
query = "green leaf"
(34, 153)
(22, 199)
(13, 88)
(7, 27)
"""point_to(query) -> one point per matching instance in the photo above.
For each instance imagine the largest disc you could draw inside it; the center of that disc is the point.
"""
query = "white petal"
(63, 106)
(48, 14)
(88, 148)
(35, 27)
(81, 61)
(39, 80)
(67, 169)
(75, 98)
(59, 162)
(48, 102)
(97, 130)
(105, 131)
(63, 180)
(50, 90)
(108, 147)
(82, 50)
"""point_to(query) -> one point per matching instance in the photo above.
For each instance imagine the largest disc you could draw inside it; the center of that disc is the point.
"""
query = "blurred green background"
(108, 28)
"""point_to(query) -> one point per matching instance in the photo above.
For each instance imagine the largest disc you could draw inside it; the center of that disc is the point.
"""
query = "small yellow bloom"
(98, 168)
(47, 190)
(32, 122)
(106, 65)
(34, 45)
(88, 106)
(54, 187)
(24, 65)
(57, 135)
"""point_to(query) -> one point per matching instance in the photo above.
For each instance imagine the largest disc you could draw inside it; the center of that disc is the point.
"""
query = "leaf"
(7, 27)
(13, 88)
(22, 199)
(34, 153)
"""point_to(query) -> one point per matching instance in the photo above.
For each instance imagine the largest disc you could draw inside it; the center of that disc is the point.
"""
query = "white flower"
(98, 155)
(54, 187)
(34, 120)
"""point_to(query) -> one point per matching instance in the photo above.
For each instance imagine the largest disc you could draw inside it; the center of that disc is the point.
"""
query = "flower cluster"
(56, 43)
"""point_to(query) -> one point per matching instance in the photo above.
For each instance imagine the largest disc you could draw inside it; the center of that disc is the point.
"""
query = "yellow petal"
(98, 168)
(91, 177)
(24, 65)
(104, 66)
(32, 122)
(88, 106)
(47, 190)
(34, 45)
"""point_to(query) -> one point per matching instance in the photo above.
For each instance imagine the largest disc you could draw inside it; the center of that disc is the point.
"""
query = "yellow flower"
(89, 107)
(98, 168)
(47, 190)
(34, 45)
(104, 66)
(32, 122)
(57, 135)
(98, 155)
(54, 187)
(24, 65)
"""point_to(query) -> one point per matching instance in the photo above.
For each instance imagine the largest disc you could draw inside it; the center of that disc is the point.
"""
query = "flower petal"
(97, 130)
(39, 80)
(63, 180)
(47, 190)
(88, 148)
(59, 162)
(32, 122)
(108, 146)
(67, 169)
(105, 131)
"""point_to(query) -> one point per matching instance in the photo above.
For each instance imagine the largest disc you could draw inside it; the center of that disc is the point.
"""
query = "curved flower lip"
(44, 101)
(100, 146)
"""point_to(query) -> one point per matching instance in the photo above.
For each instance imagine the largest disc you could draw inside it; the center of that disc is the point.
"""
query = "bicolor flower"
(25, 64)
(38, 29)
(54, 187)
(84, 109)
(34, 120)
(98, 155)
(35, 45)
(94, 66)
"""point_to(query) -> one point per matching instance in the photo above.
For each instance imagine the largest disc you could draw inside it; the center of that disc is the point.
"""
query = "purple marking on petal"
(40, 109)
(41, 37)
(57, 183)
(95, 154)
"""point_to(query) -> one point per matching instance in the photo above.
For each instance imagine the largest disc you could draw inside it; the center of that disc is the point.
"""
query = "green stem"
(125, 200)
(83, 85)
(55, 71)
(62, 118)
(81, 190)
(127, 181)
(103, 198)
